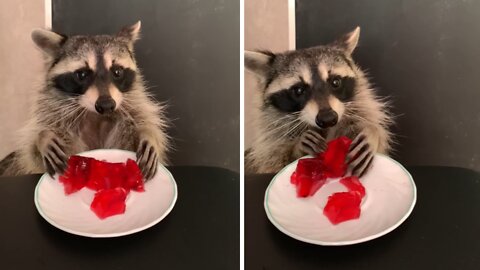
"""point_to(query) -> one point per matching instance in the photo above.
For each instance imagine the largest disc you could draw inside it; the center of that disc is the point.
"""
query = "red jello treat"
(305, 167)
(109, 202)
(353, 184)
(76, 174)
(308, 176)
(334, 157)
(113, 181)
(309, 186)
(106, 175)
(343, 206)
(134, 178)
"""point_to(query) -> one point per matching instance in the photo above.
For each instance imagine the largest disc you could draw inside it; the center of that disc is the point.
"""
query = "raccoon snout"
(105, 105)
(326, 118)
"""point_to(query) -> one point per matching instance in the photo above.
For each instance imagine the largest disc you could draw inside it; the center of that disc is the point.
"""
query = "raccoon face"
(314, 83)
(93, 70)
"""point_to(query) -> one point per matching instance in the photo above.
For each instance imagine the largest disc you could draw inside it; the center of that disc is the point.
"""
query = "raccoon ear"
(132, 32)
(258, 62)
(349, 41)
(50, 42)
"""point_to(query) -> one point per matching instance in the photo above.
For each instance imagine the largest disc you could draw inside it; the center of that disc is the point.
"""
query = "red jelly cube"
(343, 206)
(308, 176)
(109, 202)
(105, 175)
(134, 178)
(307, 186)
(294, 178)
(76, 174)
(334, 157)
(353, 184)
(304, 186)
(306, 167)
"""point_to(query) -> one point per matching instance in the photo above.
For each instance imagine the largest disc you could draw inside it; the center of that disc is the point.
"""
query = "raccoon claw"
(49, 167)
(310, 143)
(147, 159)
(54, 158)
(360, 156)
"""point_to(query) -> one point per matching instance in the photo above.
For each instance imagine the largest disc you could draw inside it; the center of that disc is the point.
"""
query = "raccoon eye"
(336, 82)
(298, 90)
(117, 72)
(81, 74)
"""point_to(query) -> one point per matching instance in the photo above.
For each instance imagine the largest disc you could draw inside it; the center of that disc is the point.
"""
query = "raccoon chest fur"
(97, 131)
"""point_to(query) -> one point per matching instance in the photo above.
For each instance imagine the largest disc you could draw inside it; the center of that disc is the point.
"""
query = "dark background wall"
(425, 55)
(189, 54)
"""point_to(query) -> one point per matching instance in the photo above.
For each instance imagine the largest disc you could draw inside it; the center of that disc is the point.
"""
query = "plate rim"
(107, 235)
(346, 242)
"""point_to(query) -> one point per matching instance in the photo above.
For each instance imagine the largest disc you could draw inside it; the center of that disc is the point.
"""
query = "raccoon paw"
(360, 155)
(147, 159)
(310, 143)
(53, 154)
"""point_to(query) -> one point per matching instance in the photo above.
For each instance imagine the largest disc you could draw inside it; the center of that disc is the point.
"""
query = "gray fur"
(60, 126)
(283, 137)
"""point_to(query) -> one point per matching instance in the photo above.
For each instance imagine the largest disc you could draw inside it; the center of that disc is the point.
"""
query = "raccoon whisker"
(65, 114)
(286, 124)
(361, 117)
(125, 109)
(279, 125)
(299, 125)
(356, 117)
(57, 114)
(80, 115)
(284, 118)
(292, 127)
(125, 113)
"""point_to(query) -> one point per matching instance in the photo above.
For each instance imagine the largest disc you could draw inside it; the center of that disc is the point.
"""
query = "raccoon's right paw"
(52, 150)
(147, 159)
(310, 143)
(360, 155)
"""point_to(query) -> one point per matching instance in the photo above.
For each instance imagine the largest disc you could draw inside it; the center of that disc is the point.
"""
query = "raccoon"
(93, 97)
(310, 96)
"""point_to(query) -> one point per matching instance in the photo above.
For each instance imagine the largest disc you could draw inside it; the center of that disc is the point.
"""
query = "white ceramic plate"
(390, 198)
(72, 213)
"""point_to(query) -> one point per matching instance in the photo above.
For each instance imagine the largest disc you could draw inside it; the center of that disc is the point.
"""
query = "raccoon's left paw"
(310, 143)
(360, 155)
(147, 159)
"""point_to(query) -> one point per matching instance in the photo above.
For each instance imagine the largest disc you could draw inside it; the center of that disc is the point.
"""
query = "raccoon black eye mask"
(342, 87)
(292, 99)
(77, 82)
(122, 78)
(296, 97)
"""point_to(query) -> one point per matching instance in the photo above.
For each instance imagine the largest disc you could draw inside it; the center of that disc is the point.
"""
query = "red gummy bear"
(76, 174)
(109, 202)
(343, 206)
(133, 177)
(353, 184)
(334, 157)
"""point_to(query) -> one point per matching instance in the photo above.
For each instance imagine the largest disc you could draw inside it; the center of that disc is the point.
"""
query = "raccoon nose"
(105, 105)
(326, 119)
